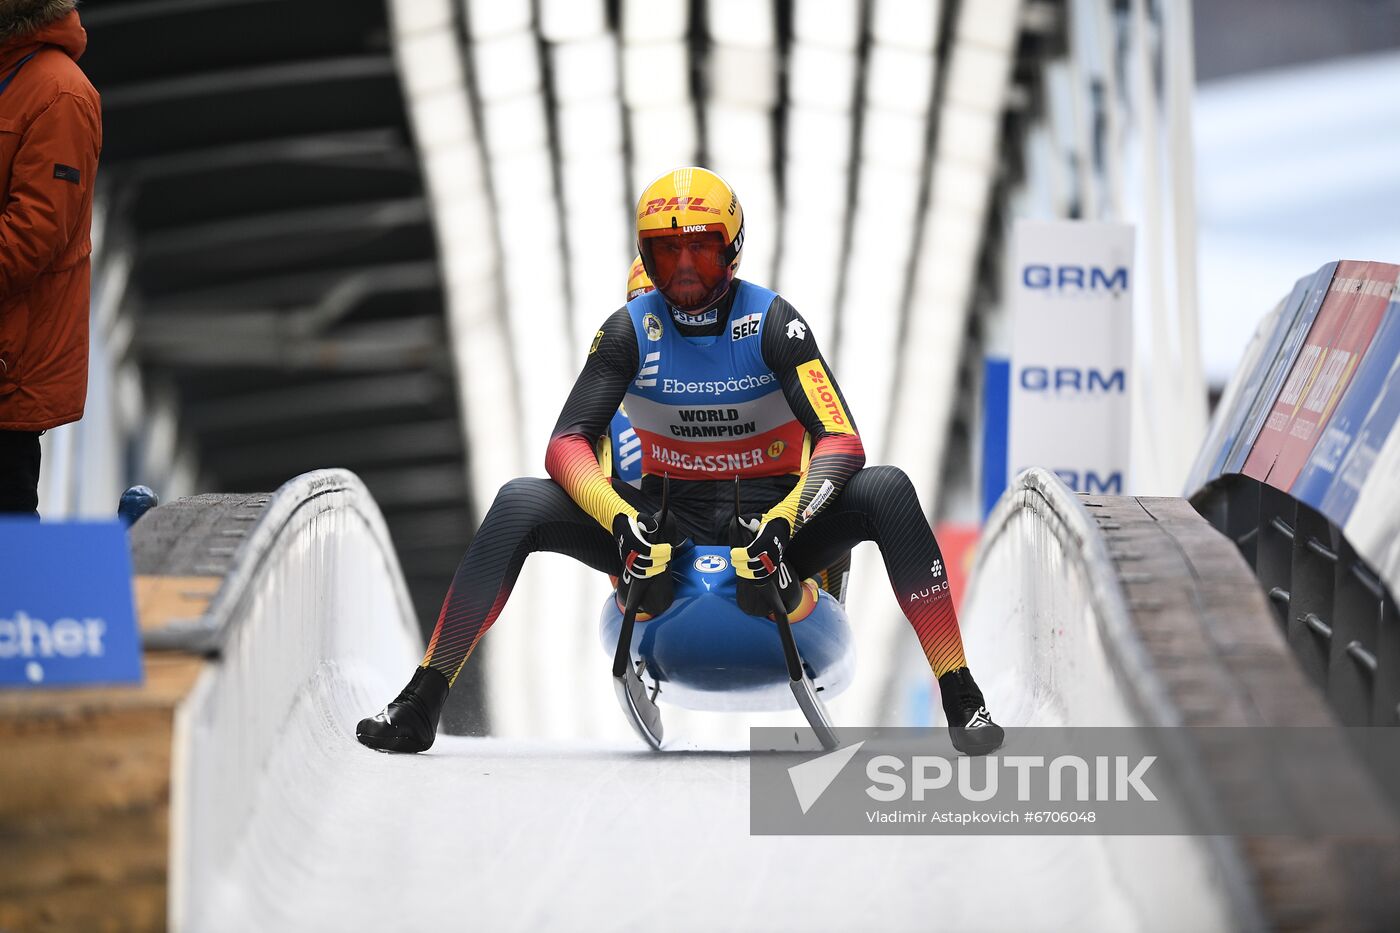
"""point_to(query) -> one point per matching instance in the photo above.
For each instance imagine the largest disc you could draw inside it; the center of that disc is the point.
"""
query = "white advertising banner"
(1072, 350)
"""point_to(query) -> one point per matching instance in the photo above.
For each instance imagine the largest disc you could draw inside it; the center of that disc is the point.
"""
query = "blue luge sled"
(705, 653)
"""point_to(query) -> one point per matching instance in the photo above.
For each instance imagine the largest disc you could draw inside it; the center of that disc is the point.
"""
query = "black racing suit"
(572, 513)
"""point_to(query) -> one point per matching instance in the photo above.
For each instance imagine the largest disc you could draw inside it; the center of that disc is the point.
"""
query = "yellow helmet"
(690, 236)
(638, 282)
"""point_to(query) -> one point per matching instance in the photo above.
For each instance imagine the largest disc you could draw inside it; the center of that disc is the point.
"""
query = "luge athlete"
(721, 379)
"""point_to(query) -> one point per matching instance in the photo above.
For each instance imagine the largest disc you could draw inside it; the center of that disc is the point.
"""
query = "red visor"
(690, 269)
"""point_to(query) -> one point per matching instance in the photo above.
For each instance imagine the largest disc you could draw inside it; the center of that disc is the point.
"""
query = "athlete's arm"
(790, 350)
(612, 363)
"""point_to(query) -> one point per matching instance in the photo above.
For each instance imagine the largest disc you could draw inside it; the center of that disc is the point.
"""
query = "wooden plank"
(169, 677)
(85, 799)
(49, 850)
(161, 600)
(132, 904)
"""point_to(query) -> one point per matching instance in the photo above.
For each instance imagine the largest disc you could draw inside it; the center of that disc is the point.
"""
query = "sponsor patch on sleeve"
(597, 339)
(823, 398)
(824, 493)
(67, 173)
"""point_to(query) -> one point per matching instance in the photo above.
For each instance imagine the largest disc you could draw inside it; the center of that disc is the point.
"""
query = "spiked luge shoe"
(969, 724)
(409, 723)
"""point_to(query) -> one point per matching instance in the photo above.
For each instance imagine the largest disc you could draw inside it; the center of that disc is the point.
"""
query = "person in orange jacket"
(50, 140)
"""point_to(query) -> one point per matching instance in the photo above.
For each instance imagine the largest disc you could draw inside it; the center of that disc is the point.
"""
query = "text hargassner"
(675, 386)
(1064, 777)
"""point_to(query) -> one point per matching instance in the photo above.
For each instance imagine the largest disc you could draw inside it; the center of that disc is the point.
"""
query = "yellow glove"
(763, 557)
(640, 558)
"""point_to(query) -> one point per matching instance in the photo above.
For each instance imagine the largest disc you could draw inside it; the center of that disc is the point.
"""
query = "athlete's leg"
(528, 515)
(880, 504)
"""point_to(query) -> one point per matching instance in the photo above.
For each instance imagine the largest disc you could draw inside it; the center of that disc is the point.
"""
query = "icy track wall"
(312, 623)
(1048, 620)
(1133, 611)
(1046, 609)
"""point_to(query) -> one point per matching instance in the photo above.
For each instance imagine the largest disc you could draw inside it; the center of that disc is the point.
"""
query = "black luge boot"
(409, 723)
(969, 724)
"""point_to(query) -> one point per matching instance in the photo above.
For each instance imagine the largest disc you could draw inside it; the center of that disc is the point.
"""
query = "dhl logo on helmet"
(661, 205)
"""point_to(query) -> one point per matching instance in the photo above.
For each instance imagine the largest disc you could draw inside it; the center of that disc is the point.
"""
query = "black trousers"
(19, 472)
(530, 514)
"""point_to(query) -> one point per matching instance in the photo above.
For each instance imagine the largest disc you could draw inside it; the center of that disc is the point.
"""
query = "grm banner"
(1072, 349)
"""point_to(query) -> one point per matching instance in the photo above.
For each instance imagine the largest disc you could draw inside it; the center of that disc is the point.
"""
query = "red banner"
(958, 543)
(1340, 336)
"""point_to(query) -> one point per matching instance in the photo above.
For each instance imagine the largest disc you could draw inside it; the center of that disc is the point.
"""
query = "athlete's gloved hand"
(763, 557)
(640, 557)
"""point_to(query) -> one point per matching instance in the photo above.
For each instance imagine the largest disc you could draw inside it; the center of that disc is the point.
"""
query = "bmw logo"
(710, 563)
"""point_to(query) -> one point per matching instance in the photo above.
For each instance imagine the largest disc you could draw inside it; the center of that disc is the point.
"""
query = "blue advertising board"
(66, 615)
(1243, 388)
(1279, 366)
(996, 415)
(1364, 418)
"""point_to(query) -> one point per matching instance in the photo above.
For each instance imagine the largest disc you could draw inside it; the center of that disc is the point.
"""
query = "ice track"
(495, 835)
(281, 821)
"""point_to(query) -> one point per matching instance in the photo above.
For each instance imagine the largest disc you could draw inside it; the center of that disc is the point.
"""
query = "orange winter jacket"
(50, 138)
